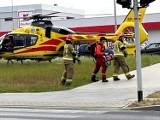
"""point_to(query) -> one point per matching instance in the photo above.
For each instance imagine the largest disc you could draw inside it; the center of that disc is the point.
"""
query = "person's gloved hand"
(74, 60)
(125, 53)
(112, 56)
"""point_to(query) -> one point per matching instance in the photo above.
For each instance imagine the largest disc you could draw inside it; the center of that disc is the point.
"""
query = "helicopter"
(43, 41)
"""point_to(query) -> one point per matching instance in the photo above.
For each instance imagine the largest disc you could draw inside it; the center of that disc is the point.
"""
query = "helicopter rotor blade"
(52, 13)
(35, 16)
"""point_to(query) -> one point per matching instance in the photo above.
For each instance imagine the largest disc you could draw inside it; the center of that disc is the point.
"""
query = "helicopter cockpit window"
(24, 40)
(10, 42)
(33, 40)
(20, 40)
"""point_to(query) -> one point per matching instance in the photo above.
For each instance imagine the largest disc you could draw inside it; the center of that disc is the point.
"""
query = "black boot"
(93, 78)
(104, 80)
(63, 80)
(115, 78)
(130, 77)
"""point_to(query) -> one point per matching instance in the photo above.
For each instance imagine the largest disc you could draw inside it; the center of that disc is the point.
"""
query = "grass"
(44, 76)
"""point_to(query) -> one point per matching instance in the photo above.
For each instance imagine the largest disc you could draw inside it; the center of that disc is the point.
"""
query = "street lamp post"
(115, 16)
(12, 15)
(138, 55)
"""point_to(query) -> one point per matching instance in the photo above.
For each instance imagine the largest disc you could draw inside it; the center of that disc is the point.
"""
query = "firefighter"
(100, 59)
(120, 54)
(69, 55)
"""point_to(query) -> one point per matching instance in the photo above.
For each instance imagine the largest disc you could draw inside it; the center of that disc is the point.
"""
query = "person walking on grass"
(69, 57)
(120, 55)
(100, 59)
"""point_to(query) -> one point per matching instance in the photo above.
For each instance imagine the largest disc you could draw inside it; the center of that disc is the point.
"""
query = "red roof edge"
(151, 25)
(110, 28)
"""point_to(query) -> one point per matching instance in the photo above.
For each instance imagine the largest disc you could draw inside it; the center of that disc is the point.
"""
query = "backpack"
(91, 48)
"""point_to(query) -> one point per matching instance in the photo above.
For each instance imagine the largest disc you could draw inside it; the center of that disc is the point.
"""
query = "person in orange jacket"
(100, 59)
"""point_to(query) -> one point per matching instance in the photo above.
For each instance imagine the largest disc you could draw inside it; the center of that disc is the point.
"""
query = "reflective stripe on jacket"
(117, 48)
(68, 52)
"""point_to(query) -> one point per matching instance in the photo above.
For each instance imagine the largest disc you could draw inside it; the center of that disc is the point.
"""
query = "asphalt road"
(59, 114)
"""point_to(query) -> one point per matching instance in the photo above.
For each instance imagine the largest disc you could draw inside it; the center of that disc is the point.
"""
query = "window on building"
(70, 17)
(9, 19)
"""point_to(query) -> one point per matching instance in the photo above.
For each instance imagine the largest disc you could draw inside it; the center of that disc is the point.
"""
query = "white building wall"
(83, 22)
(7, 25)
(153, 36)
(99, 21)
(155, 17)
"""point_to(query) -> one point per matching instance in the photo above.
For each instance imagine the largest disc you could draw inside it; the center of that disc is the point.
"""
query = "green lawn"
(44, 76)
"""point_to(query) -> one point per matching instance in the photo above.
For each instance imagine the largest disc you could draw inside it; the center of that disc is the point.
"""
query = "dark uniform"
(68, 55)
(10, 45)
(100, 60)
(119, 59)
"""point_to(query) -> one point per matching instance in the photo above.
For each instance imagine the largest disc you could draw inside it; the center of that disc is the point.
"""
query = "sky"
(90, 7)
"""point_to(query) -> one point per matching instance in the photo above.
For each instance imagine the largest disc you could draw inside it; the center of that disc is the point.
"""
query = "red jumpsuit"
(100, 60)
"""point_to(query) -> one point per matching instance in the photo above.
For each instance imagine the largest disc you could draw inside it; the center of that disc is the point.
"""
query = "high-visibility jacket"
(99, 49)
(68, 52)
(118, 45)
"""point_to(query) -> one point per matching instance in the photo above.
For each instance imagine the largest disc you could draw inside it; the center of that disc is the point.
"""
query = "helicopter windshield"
(10, 42)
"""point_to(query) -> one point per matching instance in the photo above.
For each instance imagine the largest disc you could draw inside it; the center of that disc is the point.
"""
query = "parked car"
(144, 44)
(152, 48)
(84, 51)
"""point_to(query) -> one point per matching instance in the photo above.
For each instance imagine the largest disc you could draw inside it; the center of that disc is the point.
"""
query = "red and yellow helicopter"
(43, 41)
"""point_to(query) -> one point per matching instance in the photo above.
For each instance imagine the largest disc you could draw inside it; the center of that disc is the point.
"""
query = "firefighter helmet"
(69, 38)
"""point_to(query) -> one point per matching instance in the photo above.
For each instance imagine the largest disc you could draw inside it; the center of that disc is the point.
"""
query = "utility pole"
(115, 16)
(138, 55)
(12, 15)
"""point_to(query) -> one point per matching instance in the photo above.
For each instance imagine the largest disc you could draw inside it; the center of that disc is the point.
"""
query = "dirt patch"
(152, 99)
(154, 95)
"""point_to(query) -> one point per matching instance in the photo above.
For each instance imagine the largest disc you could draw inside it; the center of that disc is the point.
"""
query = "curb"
(146, 108)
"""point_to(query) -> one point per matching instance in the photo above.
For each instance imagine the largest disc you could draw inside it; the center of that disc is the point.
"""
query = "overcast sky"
(89, 6)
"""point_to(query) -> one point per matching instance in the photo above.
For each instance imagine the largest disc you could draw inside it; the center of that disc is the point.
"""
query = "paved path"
(96, 95)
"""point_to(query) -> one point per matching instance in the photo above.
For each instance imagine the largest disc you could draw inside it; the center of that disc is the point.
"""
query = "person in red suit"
(100, 59)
